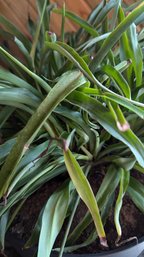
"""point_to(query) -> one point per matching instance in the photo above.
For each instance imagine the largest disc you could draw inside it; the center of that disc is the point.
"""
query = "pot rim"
(120, 249)
(15, 242)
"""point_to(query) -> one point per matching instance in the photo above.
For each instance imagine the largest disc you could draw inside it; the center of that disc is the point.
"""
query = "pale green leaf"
(124, 182)
(52, 220)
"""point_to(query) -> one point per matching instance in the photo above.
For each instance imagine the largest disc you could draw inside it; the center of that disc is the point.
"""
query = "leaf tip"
(118, 244)
(65, 145)
(117, 240)
(123, 127)
(103, 242)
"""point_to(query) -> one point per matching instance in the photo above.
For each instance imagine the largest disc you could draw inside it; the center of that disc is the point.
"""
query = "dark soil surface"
(132, 220)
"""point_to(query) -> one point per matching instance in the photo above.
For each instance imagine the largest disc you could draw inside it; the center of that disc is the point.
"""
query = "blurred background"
(18, 12)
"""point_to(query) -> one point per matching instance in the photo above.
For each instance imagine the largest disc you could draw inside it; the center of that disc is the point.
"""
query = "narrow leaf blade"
(85, 192)
(52, 220)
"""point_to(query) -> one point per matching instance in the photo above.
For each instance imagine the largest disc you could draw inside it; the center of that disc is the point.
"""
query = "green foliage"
(124, 182)
(70, 106)
(52, 220)
(84, 190)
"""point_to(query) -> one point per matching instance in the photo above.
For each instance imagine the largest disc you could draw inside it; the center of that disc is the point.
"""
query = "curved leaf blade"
(118, 78)
(130, 49)
(15, 31)
(103, 196)
(115, 36)
(66, 84)
(78, 20)
(85, 192)
(105, 118)
(124, 181)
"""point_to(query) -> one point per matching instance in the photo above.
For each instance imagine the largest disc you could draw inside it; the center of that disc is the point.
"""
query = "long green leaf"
(103, 196)
(118, 78)
(124, 181)
(78, 20)
(24, 51)
(5, 113)
(72, 55)
(93, 235)
(105, 118)
(136, 193)
(85, 192)
(92, 42)
(15, 31)
(37, 32)
(40, 7)
(3, 226)
(52, 220)
(24, 68)
(130, 49)
(75, 58)
(6, 147)
(19, 95)
(127, 103)
(115, 36)
(14, 80)
(66, 84)
(43, 175)
(104, 11)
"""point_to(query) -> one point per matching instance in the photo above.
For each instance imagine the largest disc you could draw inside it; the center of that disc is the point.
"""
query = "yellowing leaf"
(85, 192)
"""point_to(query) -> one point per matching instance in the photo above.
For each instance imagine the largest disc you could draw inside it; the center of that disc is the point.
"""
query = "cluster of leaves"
(84, 92)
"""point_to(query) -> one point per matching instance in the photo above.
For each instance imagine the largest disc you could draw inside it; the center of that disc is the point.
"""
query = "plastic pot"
(129, 250)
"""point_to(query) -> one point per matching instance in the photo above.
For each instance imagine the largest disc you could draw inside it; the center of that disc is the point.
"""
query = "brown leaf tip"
(65, 146)
(117, 240)
(118, 244)
(103, 242)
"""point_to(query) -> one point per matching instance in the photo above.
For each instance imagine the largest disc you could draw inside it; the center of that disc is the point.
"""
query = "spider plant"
(72, 105)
